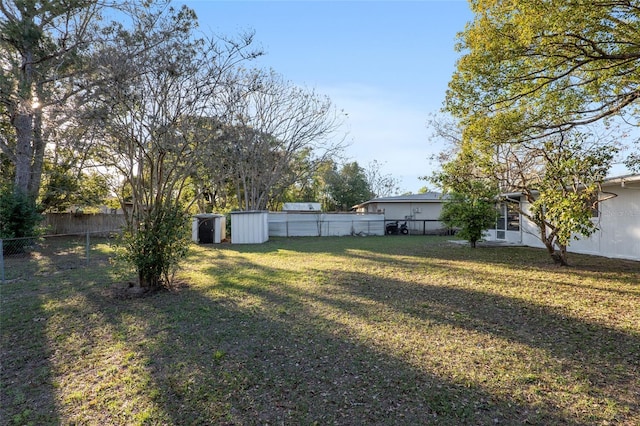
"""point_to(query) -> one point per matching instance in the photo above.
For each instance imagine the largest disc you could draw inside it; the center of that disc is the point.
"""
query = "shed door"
(205, 231)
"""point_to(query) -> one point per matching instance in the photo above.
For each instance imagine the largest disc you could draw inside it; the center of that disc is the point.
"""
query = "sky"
(385, 63)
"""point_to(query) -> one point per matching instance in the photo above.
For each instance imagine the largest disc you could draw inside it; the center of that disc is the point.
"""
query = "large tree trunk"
(23, 124)
(37, 159)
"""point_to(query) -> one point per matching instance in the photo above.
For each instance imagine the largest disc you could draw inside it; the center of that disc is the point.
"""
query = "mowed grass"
(375, 330)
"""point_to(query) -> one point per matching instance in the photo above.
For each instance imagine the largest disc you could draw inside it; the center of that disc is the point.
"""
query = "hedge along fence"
(79, 223)
(324, 224)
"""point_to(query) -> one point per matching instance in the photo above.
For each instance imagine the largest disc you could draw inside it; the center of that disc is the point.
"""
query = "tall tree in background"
(345, 187)
(275, 135)
(41, 45)
(381, 185)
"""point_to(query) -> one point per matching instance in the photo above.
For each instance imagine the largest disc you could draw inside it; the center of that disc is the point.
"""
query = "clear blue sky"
(385, 63)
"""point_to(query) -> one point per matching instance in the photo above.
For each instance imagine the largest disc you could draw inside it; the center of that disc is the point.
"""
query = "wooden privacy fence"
(74, 223)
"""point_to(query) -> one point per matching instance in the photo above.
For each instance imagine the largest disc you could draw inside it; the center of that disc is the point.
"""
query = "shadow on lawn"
(260, 356)
(249, 349)
(26, 384)
(605, 358)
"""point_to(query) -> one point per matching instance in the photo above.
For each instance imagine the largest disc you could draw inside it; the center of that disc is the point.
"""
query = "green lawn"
(351, 330)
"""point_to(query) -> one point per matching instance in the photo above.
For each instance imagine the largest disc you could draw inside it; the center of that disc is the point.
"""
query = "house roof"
(630, 181)
(623, 180)
(426, 197)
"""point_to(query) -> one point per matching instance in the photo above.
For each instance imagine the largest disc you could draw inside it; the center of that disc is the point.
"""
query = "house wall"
(416, 212)
(401, 211)
(618, 222)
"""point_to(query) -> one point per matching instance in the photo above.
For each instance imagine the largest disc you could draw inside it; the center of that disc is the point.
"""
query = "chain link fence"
(25, 258)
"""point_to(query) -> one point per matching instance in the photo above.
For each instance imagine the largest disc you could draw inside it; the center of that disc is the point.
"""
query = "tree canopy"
(345, 186)
(534, 68)
(536, 85)
(41, 50)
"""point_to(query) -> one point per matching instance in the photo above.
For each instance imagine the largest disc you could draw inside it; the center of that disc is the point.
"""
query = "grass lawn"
(351, 330)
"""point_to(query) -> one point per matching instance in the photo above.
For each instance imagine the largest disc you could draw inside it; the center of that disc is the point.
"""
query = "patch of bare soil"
(131, 290)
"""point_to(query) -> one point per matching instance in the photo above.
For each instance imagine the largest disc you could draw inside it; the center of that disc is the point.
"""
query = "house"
(420, 211)
(617, 219)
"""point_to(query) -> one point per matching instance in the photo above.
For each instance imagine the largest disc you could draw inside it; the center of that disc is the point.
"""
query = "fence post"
(1, 262)
(87, 248)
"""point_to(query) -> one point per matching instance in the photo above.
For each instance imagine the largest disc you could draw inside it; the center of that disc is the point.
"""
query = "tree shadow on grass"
(252, 347)
(251, 351)
(26, 383)
(604, 359)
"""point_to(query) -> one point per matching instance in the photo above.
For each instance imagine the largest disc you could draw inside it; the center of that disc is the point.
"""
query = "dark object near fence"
(394, 228)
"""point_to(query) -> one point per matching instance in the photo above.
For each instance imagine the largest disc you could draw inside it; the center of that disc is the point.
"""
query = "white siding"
(618, 222)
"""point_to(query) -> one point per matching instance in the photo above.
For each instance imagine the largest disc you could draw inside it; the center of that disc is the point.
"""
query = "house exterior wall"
(416, 212)
(618, 235)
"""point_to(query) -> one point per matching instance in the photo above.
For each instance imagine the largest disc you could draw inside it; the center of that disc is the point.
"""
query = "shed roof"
(301, 206)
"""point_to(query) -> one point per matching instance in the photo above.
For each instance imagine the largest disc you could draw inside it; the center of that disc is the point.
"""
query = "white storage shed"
(209, 228)
(249, 227)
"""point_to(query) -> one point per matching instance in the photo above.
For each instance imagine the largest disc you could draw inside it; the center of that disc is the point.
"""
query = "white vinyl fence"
(324, 224)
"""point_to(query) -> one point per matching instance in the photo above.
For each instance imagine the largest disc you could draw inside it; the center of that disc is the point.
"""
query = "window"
(508, 219)
(513, 216)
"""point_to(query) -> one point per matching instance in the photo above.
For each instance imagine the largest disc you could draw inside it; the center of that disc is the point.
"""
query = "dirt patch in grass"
(125, 290)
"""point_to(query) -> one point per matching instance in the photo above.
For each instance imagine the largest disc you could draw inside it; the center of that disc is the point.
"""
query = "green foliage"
(533, 69)
(568, 191)
(19, 218)
(538, 67)
(470, 213)
(346, 187)
(157, 246)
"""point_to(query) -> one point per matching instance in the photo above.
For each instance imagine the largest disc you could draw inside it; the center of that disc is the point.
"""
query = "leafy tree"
(534, 80)
(559, 178)
(567, 190)
(165, 84)
(534, 69)
(471, 213)
(19, 218)
(41, 48)
(345, 187)
(470, 205)
(64, 189)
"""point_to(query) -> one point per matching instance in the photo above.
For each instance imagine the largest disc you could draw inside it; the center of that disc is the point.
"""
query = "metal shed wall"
(251, 227)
